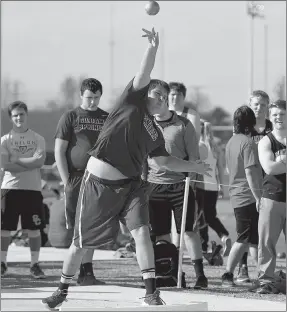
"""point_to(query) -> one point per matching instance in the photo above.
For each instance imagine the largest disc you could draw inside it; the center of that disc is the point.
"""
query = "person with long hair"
(208, 191)
(245, 184)
(258, 102)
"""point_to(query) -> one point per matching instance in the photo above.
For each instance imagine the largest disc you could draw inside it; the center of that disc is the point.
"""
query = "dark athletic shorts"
(102, 204)
(72, 191)
(24, 203)
(247, 224)
(165, 198)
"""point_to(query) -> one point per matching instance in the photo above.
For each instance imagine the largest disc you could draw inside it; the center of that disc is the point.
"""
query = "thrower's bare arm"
(173, 163)
(142, 77)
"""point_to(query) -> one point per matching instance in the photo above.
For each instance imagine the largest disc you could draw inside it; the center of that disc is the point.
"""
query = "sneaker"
(226, 246)
(131, 247)
(243, 276)
(56, 300)
(227, 280)
(254, 286)
(89, 279)
(81, 275)
(269, 288)
(201, 282)
(3, 269)
(153, 299)
(80, 278)
(37, 272)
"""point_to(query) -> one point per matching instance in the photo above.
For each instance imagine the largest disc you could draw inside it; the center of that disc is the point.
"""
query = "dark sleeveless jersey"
(257, 136)
(274, 186)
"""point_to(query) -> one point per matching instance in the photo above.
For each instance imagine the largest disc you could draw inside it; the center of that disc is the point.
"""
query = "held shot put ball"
(152, 8)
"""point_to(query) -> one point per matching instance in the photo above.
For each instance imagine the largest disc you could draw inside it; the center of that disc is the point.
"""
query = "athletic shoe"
(214, 258)
(89, 280)
(269, 288)
(56, 300)
(153, 299)
(87, 277)
(37, 272)
(227, 280)
(226, 246)
(80, 278)
(3, 269)
(201, 282)
(243, 276)
(254, 286)
(131, 247)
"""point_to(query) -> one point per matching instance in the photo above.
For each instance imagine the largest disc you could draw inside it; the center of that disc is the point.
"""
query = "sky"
(202, 43)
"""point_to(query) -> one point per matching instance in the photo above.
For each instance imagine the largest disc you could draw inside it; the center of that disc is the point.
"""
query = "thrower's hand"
(152, 36)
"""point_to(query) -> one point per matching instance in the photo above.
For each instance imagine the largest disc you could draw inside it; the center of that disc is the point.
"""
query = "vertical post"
(162, 54)
(112, 46)
(283, 89)
(253, 10)
(251, 53)
(266, 58)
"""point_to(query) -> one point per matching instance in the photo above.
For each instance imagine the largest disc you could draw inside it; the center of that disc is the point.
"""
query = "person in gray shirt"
(245, 180)
(167, 187)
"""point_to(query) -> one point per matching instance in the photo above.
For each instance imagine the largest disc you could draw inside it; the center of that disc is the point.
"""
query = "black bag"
(166, 265)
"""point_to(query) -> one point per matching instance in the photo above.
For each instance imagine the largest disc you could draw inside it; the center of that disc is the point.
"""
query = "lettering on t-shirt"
(22, 146)
(257, 138)
(148, 124)
(89, 123)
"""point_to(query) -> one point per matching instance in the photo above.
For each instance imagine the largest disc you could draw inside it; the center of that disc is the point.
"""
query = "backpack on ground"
(166, 264)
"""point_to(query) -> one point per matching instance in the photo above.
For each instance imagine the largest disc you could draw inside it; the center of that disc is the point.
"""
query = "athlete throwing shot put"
(112, 189)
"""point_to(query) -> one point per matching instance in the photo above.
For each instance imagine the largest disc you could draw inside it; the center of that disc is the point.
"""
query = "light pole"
(112, 47)
(254, 10)
(162, 54)
(266, 57)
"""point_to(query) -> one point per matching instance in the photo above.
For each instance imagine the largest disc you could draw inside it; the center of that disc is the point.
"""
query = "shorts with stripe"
(165, 198)
(72, 190)
(102, 204)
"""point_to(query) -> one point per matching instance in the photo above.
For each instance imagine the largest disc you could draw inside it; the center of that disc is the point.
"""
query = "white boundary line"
(192, 306)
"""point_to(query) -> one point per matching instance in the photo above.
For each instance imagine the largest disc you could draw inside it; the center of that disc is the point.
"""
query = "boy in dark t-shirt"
(112, 189)
(76, 134)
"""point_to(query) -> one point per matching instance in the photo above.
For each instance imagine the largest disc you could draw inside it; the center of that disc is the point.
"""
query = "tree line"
(44, 121)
